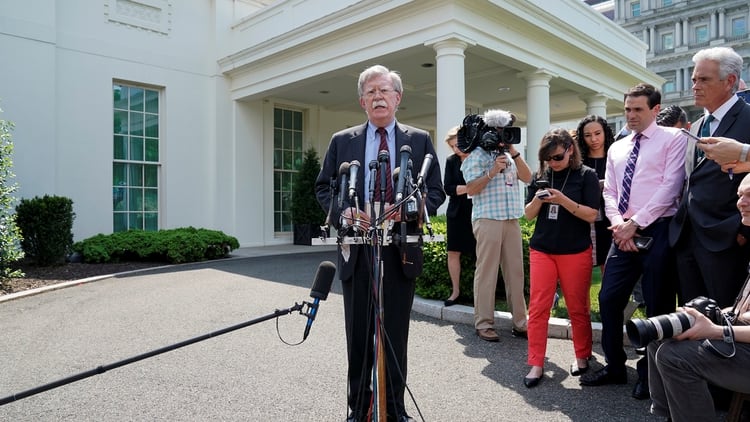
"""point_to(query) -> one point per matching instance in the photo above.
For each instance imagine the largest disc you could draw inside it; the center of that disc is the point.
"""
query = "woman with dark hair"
(563, 197)
(594, 139)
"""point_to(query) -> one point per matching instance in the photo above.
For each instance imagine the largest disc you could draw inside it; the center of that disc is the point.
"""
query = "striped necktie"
(627, 181)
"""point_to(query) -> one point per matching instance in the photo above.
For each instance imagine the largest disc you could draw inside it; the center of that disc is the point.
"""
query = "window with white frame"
(665, 3)
(135, 167)
(669, 84)
(667, 41)
(701, 34)
(287, 159)
(739, 26)
(635, 9)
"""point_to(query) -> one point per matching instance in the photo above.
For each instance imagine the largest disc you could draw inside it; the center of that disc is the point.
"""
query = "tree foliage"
(10, 236)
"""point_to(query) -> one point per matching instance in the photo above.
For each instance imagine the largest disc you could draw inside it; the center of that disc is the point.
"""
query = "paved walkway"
(251, 375)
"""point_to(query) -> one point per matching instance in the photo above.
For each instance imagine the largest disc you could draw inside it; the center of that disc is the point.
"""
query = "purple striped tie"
(622, 206)
(389, 182)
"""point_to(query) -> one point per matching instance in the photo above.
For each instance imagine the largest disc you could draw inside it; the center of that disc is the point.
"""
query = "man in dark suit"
(706, 233)
(380, 93)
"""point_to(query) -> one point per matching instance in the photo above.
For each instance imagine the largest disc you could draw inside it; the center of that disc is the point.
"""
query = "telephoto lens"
(643, 331)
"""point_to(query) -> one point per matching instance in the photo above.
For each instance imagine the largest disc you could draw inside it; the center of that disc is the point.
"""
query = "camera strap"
(726, 348)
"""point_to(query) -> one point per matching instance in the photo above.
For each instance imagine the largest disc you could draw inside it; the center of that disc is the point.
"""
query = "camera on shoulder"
(493, 131)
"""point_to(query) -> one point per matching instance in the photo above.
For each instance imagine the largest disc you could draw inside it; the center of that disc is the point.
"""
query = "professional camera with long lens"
(491, 132)
(643, 331)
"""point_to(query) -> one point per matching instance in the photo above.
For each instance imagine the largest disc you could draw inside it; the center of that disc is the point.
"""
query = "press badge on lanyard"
(552, 212)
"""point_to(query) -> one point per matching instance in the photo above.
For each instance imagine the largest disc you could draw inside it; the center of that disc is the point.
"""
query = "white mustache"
(376, 104)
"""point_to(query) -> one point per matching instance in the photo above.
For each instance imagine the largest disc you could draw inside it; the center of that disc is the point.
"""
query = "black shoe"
(531, 382)
(576, 370)
(640, 390)
(449, 302)
(518, 333)
(604, 377)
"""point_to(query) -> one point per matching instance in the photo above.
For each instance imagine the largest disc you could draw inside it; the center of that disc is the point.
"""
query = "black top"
(568, 234)
(453, 178)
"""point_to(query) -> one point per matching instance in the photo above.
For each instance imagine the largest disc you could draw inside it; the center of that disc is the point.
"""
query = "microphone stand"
(104, 368)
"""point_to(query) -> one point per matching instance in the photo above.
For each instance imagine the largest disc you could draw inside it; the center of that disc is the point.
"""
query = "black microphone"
(384, 157)
(426, 163)
(321, 287)
(353, 170)
(405, 155)
(343, 173)
(373, 177)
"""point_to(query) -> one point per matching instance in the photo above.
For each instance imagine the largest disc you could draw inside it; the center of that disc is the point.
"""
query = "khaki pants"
(499, 245)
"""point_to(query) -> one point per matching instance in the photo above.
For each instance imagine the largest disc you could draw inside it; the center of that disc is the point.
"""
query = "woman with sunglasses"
(564, 198)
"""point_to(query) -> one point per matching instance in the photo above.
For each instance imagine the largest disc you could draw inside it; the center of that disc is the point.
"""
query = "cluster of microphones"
(407, 191)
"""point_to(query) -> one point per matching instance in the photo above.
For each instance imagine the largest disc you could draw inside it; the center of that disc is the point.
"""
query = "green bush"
(10, 235)
(46, 225)
(173, 246)
(305, 209)
(435, 281)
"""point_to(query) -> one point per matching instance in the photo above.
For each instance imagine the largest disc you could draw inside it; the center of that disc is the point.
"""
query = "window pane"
(152, 125)
(701, 34)
(135, 221)
(136, 99)
(120, 147)
(297, 121)
(287, 121)
(152, 101)
(121, 122)
(136, 124)
(297, 141)
(150, 200)
(135, 175)
(151, 221)
(119, 199)
(119, 222)
(288, 160)
(151, 176)
(136, 148)
(278, 137)
(152, 150)
(119, 174)
(120, 97)
(135, 199)
(738, 27)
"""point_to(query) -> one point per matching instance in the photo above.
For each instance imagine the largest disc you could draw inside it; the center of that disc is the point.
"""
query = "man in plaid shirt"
(492, 181)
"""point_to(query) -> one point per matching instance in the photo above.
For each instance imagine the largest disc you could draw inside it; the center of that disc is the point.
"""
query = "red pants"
(574, 273)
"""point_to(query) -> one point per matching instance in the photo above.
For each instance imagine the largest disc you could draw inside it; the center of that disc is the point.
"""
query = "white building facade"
(158, 114)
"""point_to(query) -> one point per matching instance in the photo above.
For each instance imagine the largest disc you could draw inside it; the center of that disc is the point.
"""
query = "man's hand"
(622, 235)
(703, 328)
(352, 217)
(720, 149)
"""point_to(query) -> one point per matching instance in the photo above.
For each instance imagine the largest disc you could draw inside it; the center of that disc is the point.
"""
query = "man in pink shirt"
(642, 187)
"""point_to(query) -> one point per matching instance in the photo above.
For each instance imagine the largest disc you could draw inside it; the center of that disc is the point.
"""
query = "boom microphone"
(321, 287)
(498, 118)
(405, 155)
(426, 163)
(343, 173)
(353, 170)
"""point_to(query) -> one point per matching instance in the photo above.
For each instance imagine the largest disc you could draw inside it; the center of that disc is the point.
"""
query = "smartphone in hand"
(690, 135)
(643, 242)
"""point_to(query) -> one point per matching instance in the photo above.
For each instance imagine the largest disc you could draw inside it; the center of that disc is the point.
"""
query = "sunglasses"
(558, 157)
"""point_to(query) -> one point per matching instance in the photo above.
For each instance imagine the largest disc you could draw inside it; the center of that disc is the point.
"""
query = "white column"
(685, 32)
(450, 91)
(721, 23)
(677, 34)
(651, 39)
(712, 26)
(678, 79)
(537, 112)
(596, 104)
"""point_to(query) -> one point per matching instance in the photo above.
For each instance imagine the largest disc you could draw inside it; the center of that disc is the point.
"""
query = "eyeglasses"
(558, 157)
(383, 91)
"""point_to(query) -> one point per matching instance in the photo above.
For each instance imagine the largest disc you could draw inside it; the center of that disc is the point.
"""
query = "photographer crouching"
(684, 365)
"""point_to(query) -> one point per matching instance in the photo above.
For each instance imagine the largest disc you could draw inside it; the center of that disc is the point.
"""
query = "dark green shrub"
(46, 225)
(434, 283)
(305, 208)
(174, 246)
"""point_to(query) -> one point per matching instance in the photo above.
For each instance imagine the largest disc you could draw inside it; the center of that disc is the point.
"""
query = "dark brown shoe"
(488, 334)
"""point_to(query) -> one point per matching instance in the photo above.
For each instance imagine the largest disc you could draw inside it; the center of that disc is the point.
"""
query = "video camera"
(492, 132)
